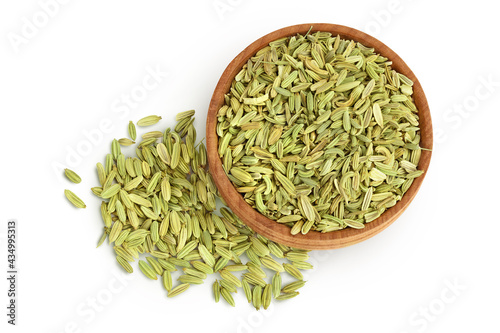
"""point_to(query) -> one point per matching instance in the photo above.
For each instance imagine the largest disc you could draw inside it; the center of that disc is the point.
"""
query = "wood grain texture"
(280, 233)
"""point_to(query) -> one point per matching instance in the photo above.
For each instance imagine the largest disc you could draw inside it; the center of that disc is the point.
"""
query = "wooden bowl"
(280, 233)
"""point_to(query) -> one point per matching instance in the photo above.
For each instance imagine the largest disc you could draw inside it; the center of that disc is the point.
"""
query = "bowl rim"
(272, 230)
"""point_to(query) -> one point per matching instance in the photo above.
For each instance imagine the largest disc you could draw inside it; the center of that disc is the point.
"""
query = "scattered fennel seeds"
(178, 290)
(72, 176)
(132, 131)
(162, 203)
(125, 142)
(320, 133)
(148, 121)
(74, 199)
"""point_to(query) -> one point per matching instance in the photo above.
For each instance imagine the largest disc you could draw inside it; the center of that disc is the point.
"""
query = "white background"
(68, 77)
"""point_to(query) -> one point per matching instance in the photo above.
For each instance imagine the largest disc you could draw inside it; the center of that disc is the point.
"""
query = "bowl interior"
(281, 233)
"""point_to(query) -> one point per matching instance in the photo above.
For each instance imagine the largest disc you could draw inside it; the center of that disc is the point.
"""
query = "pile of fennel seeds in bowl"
(161, 205)
(319, 133)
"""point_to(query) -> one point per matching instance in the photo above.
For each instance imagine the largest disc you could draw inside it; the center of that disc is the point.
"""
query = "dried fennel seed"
(72, 176)
(74, 199)
(162, 203)
(319, 133)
